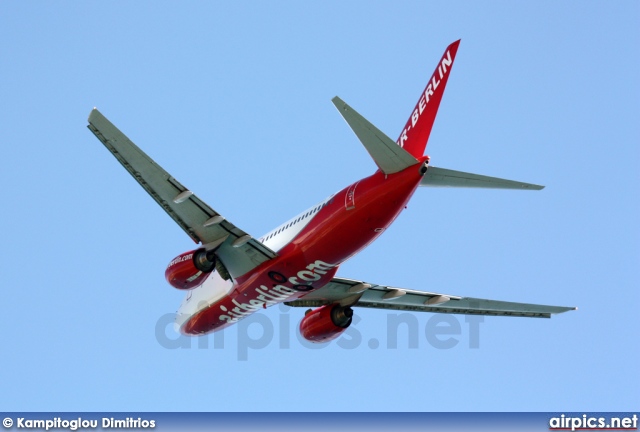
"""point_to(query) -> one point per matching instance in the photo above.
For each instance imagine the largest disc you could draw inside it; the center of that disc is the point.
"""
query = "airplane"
(231, 274)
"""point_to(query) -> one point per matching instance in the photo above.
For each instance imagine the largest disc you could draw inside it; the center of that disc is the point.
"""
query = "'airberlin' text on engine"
(181, 258)
(266, 296)
(424, 98)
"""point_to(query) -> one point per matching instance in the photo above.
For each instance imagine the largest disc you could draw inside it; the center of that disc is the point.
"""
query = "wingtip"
(93, 112)
(532, 186)
(339, 103)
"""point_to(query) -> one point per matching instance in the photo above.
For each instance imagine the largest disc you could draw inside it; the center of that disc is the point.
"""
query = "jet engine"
(190, 269)
(325, 323)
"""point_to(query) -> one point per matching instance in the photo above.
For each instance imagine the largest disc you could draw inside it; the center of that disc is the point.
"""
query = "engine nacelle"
(190, 269)
(325, 323)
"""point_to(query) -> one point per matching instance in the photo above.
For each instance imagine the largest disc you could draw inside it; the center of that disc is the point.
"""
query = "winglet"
(415, 134)
(389, 157)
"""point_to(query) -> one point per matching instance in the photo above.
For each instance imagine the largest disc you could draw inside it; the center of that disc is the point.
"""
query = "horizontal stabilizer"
(388, 155)
(441, 177)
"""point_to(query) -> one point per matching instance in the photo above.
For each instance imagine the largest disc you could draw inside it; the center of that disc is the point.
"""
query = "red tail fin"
(416, 132)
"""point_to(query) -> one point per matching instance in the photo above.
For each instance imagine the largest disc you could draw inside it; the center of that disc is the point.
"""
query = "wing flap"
(442, 177)
(192, 214)
(339, 289)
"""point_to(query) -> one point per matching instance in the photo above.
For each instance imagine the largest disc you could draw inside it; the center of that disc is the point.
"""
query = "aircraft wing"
(237, 250)
(361, 294)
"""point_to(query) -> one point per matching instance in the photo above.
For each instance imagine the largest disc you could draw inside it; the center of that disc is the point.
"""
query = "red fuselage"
(346, 224)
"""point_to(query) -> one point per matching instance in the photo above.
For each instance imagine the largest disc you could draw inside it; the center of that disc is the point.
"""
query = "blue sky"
(225, 96)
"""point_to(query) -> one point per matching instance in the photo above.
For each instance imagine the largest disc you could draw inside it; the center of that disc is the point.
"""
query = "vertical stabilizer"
(415, 134)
